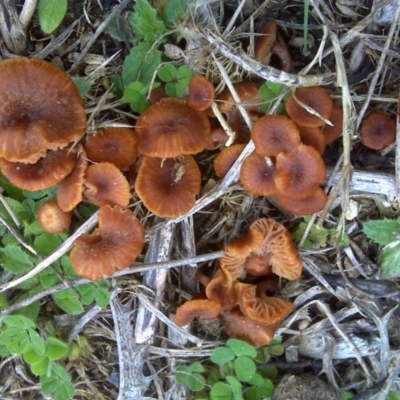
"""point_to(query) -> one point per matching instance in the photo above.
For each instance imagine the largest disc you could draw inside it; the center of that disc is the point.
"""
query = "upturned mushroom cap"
(273, 134)
(51, 218)
(117, 146)
(69, 190)
(170, 128)
(168, 187)
(315, 97)
(245, 244)
(201, 93)
(310, 205)
(40, 109)
(232, 268)
(238, 326)
(219, 291)
(378, 130)
(202, 308)
(115, 244)
(299, 173)
(264, 42)
(257, 177)
(226, 158)
(46, 172)
(264, 309)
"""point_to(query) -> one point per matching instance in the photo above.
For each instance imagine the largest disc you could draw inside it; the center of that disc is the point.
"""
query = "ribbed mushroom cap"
(264, 309)
(51, 218)
(105, 184)
(226, 158)
(254, 332)
(201, 93)
(257, 177)
(242, 246)
(40, 109)
(278, 246)
(168, 187)
(247, 92)
(299, 173)
(202, 308)
(258, 265)
(264, 41)
(315, 97)
(117, 146)
(331, 133)
(378, 130)
(310, 205)
(170, 128)
(313, 137)
(232, 268)
(69, 190)
(273, 134)
(46, 172)
(115, 244)
(219, 291)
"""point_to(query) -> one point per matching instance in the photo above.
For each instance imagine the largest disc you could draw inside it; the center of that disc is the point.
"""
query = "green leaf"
(256, 380)
(48, 278)
(141, 64)
(195, 382)
(393, 396)
(241, 348)
(56, 348)
(67, 267)
(222, 355)
(42, 367)
(10, 189)
(267, 389)
(236, 387)
(16, 340)
(46, 243)
(15, 260)
(68, 301)
(145, 23)
(19, 321)
(390, 261)
(346, 395)
(83, 86)
(32, 357)
(135, 94)
(30, 311)
(167, 73)
(3, 301)
(269, 372)
(51, 13)
(182, 374)
(276, 350)
(64, 391)
(37, 343)
(221, 391)
(184, 74)
(382, 231)
(87, 292)
(102, 297)
(174, 11)
(213, 377)
(196, 367)
(245, 368)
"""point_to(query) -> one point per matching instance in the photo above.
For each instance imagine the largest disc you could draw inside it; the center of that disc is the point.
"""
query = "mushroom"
(46, 172)
(257, 176)
(116, 243)
(316, 98)
(226, 158)
(332, 132)
(219, 291)
(378, 130)
(202, 308)
(40, 110)
(310, 205)
(117, 146)
(218, 138)
(201, 93)
(299, 173)
(313, 137)
(273, 134)
(168, 187)
(105, 184)
(170, 128)
(51, 218)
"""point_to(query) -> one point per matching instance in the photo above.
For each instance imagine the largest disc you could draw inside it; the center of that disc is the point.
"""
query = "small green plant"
(51, 14)
(269, 91)
(386, 232)
(176, 79)
(235, 371)
(318, 236)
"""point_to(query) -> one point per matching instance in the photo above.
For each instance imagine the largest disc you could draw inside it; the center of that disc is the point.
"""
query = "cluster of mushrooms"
(250, 266)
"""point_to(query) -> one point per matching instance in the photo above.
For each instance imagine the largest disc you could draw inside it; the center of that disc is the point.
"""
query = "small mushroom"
(202, 308)
(201, 93)
(51, 218)
(226, 158)
(378, 130)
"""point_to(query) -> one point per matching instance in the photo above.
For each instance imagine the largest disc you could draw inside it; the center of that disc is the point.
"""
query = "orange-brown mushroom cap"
(256, 176)
(226, 158)
(238, 326)
(40, 109)
(310, 205)
(51, 218)
(264, 42)
(106, 184)
(313, 137)
(46, 172)
(219, 291)
(201, 93)
(232, 268)
(117, 146)
(378, 130)
(168, 187)
(315, 97)
(273, 134)
(218, 138)
(299, 173)
(202, 308)
(246, 90)
(170, 128)
(115, 244)
(69, 190)
(332, 132)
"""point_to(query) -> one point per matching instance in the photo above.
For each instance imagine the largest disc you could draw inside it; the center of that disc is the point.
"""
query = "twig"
(27, 12)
